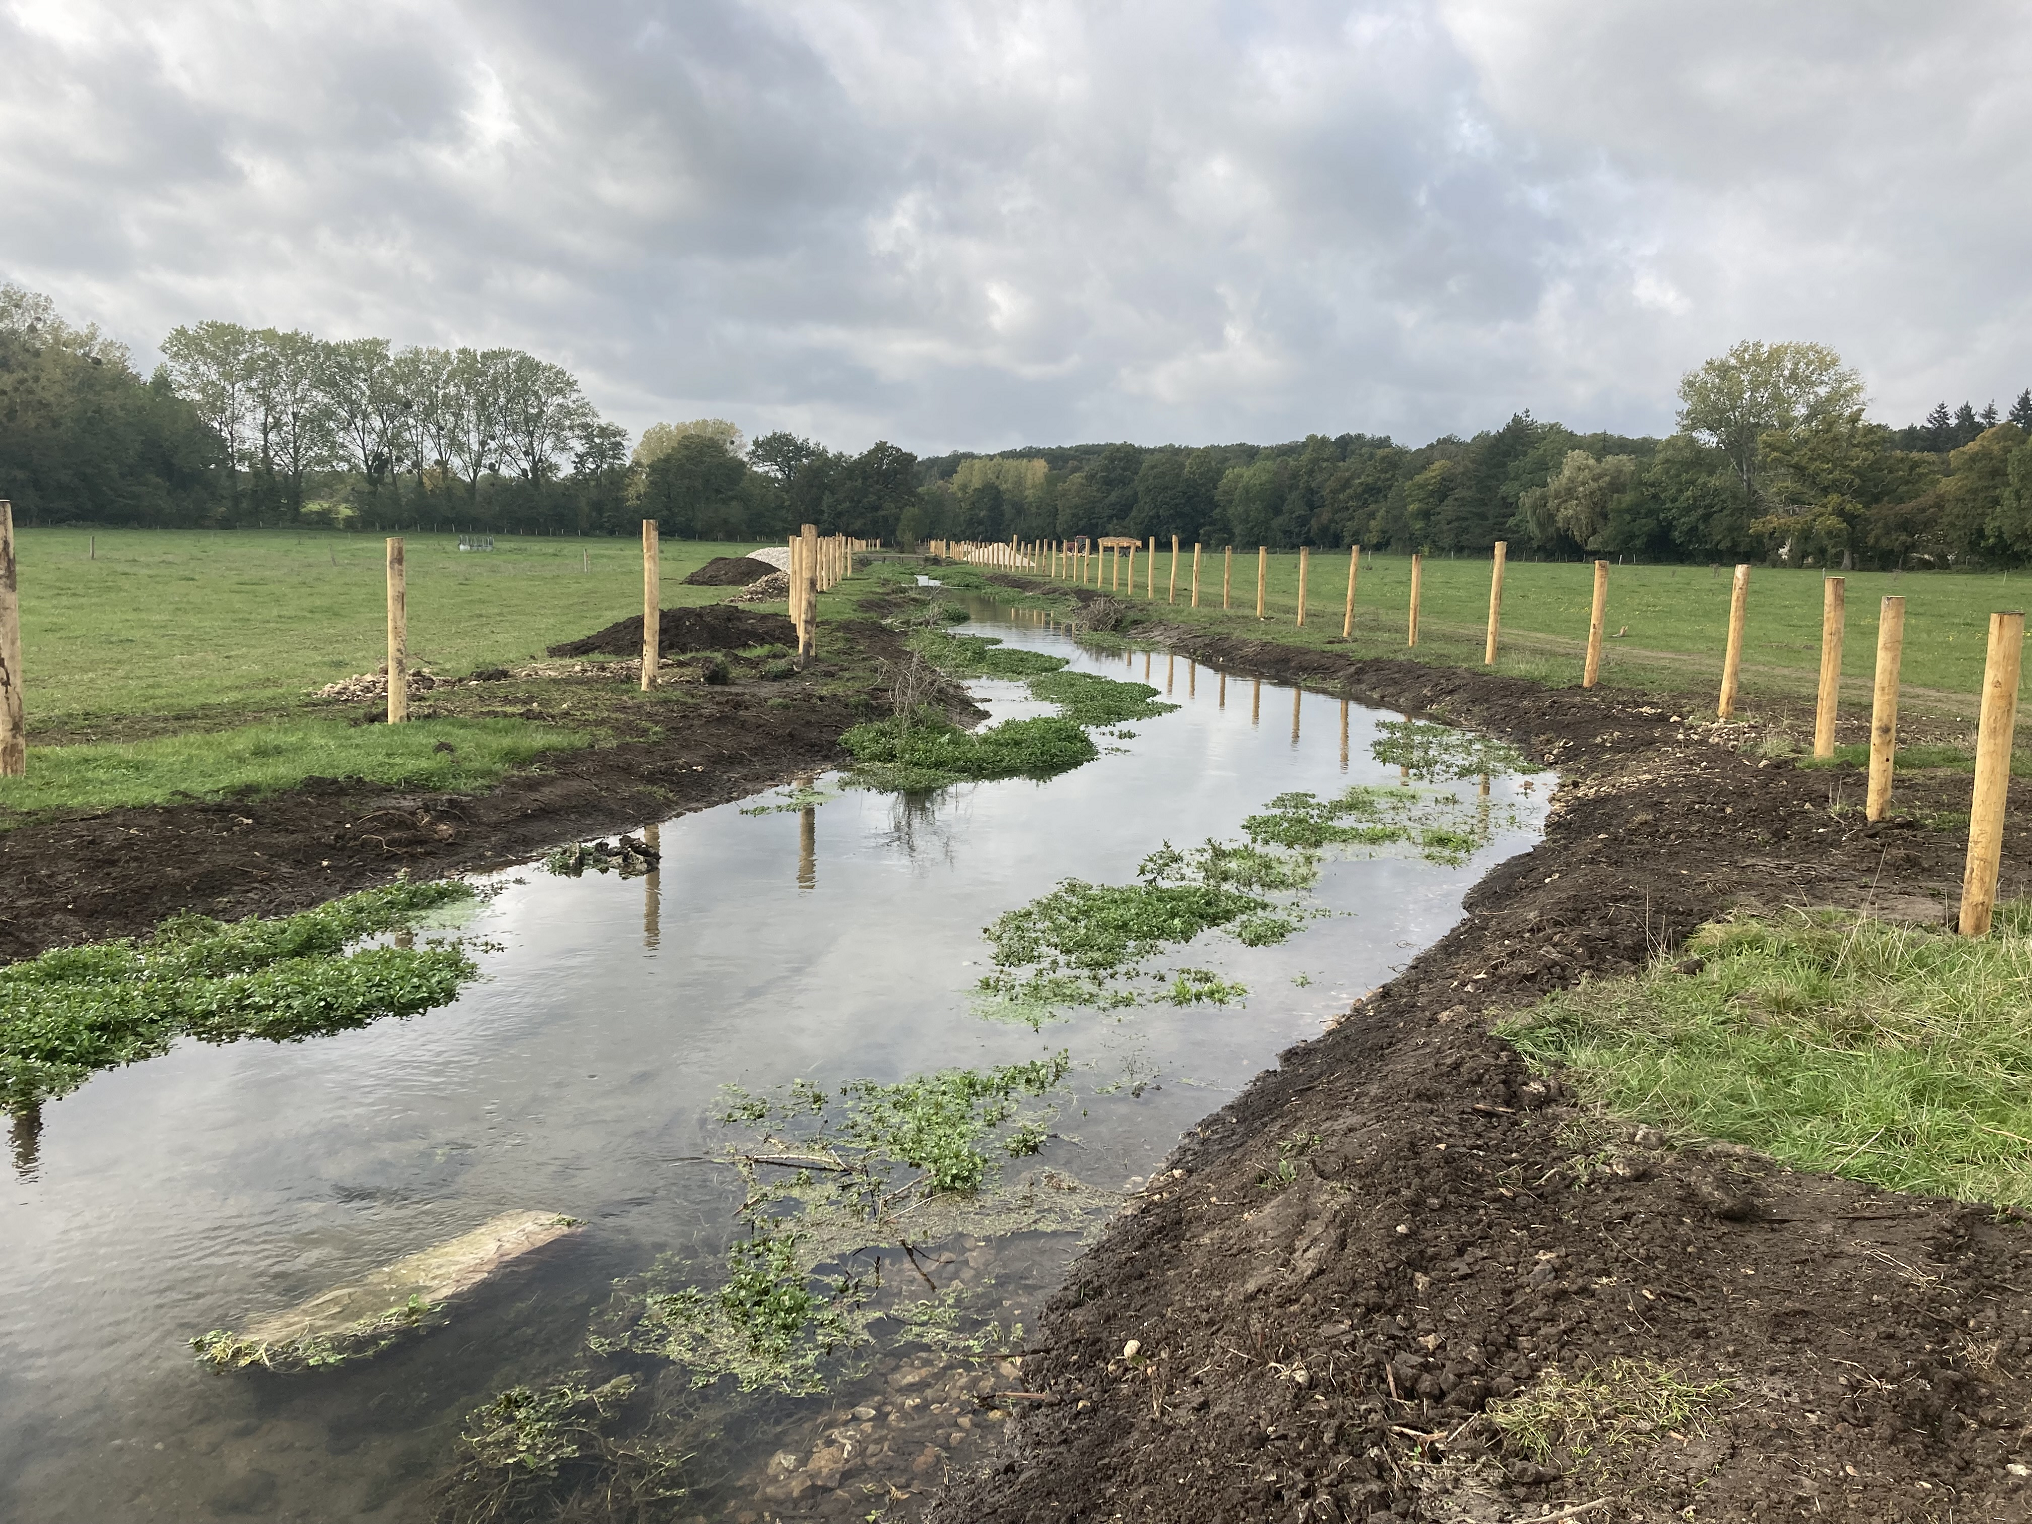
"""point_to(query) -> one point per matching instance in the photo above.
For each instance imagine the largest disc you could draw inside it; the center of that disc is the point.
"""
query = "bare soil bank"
(1320, 1352)
(119, 872)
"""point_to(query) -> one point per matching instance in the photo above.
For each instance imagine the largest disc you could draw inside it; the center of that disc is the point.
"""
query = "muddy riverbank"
(119, 872)
(1320, 1353)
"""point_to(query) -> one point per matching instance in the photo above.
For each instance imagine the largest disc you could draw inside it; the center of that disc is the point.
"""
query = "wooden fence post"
(1833, 615)
(1132, 569)
(1227, 576)
(652, 600)
(1174, 571)
(1149, 574)
(1732, 658)
(398, 635)
(1262, 576)
(1348, 612)
(1597, 613)
(1303, 556)
(807, 589)
(1417, 572)
(1884, 706)
(1993, 772)
(1195, 574)
(13, 732)
(1495, 601)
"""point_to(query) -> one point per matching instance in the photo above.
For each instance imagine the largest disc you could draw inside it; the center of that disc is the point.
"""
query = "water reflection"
(583, 1075)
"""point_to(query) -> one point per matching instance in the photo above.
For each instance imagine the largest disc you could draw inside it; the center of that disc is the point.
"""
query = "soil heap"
(712, 627)
(729, 571)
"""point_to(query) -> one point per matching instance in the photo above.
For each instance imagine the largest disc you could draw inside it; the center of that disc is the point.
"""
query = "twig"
(1568, 1513)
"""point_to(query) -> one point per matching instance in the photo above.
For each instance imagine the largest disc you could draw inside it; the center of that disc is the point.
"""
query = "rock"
(826, 1466)
(363, 1317)
(252, 1493)
(929, 1459)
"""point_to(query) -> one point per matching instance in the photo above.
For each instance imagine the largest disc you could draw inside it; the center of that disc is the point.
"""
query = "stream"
(582, 1074)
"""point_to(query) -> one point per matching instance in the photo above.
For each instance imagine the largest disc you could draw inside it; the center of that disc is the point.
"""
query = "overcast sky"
(977, 226)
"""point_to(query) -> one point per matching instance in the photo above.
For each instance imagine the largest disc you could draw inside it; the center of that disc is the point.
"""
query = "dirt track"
(1320, 1353)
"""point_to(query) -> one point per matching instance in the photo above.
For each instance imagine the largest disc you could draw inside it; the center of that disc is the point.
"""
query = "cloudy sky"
(982, 225)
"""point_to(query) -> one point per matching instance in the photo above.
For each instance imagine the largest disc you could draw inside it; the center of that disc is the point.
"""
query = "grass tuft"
(443, 756)
(1573, 1420)
(1896, 1054)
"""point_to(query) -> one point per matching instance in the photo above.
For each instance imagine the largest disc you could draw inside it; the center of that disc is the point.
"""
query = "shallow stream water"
(581, 1074)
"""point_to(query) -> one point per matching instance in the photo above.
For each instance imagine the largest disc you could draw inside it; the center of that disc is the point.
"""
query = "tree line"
(1773, 457)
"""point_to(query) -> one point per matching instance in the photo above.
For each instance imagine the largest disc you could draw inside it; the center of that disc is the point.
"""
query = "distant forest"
(242, 427)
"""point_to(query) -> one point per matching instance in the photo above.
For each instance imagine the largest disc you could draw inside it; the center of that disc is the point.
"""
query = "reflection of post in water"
(652, 889)
(1482, 806)
(1170, 672)
(1344, 735)
(25, 1131)
(1146, 663)
(1296, 695)
(1191, 678)
(1256, 702)
(1224, 691)
(807, 839)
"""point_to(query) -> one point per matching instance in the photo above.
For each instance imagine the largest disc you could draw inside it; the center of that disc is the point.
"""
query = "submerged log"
(361, 1318)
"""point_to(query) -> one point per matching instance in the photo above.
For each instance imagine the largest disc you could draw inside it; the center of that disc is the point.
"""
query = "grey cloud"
(987, 225)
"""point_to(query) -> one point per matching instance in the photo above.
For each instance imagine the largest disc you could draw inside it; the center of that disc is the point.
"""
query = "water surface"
(582, 1075)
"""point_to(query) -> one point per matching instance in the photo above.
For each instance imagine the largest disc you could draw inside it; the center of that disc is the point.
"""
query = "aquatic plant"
(1086, 698)
(1442, 754)
(75, 1010)
(551, 1452)
(931, 752)
(982, 656)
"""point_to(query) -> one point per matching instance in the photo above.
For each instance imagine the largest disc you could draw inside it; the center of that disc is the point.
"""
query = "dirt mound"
(729, 571)
(712, 627)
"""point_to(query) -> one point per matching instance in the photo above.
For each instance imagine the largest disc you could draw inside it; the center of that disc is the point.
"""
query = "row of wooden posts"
(1112, 561)
(819, 562)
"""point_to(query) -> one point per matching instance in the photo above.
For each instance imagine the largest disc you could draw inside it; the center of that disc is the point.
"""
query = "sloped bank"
(1455, 1229)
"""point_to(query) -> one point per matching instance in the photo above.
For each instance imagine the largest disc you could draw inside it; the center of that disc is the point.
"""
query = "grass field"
(1676, 618)
(181, 663)
(182, 624)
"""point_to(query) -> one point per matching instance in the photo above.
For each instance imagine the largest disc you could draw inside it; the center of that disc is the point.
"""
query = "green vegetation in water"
(75, 1010)
(1575, 1421)
(250, 761)
(827, 1174)
(628, 856)
(770, 1325)
(1082, 944)
(792, 800)
(1896, 1054)
(551, 1452)
(930, 752)
(1442, 754)
(1441, 827)
(1088, 699)
(225, 1350)
(982, 656)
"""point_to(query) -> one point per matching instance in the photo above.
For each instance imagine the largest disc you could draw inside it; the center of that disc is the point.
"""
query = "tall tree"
(209, 365)
(1735, 399)
(286, 387)
(2021, 410)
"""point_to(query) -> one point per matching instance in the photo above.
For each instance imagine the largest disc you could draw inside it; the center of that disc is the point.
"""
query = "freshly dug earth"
(709, 627)
(1322, 1351)
(729, 571)
(119, 872)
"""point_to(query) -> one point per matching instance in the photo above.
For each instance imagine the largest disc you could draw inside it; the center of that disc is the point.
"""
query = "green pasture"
(187, 624)
(171, 664)
(1676, 618)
